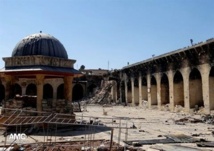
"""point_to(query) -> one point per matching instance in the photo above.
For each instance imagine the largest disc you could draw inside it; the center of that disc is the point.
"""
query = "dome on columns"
(40, 44)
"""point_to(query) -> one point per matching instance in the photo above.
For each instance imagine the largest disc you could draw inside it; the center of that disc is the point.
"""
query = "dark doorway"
(60, 92)
(47, 91)
(31, 89)
(91, 88)
(16, 89)
(2, 93)
(77, 92)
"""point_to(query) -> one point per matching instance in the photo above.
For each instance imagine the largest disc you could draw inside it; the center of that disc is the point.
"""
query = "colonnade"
(187, 87)
(39, 82)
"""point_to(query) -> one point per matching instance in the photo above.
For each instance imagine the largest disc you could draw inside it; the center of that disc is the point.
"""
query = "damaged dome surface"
(40, 44)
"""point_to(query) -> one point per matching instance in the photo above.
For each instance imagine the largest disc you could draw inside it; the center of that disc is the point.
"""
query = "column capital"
(40, 79)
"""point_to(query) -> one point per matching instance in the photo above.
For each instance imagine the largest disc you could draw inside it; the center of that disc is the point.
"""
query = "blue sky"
(95, 32)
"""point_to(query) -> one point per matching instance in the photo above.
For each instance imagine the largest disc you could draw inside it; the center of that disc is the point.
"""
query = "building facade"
(184, 77)
(39, 66)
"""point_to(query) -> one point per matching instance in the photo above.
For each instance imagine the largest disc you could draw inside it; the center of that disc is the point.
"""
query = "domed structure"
(40, 44)
(39, 66)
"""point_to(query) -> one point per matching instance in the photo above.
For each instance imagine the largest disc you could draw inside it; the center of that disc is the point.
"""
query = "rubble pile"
(57, 106)
(99, 145)
(209, 119)
(20, 102)
(178, 108)
(184, 120)
(28, 103)
(102, 96)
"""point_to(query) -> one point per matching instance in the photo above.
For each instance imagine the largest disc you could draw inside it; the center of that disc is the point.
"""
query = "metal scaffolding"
(17, 119)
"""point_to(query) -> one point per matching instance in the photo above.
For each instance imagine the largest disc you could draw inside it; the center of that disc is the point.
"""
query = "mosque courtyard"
(133, 128)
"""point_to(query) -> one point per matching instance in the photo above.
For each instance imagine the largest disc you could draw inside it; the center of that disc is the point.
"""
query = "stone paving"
(137, 124)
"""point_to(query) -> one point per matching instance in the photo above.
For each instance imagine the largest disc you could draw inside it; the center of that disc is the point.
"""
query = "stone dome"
(40, 44)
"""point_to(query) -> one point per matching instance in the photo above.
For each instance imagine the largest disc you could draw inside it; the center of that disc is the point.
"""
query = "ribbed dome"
(40, 44)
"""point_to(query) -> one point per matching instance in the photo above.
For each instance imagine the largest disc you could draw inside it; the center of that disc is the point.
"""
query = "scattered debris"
(184, 120)
(180, 138)
(171, 147)
(209, 119)
(205, 144)
(103, 95)
(133, 126)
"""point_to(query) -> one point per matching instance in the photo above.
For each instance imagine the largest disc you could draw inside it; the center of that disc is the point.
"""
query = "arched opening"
(195, 89)
(114, 91)
(211, 88)
(136, 91)
(153, 91)
(178, 89)
(2, 93)
(47, 91)
(77, 92)
(123, 99)
(91, 88)
(16, 89)
(144, 89)
(129, 91)
(118, 90)
(31, 89)
(60, 92)
(164, 90)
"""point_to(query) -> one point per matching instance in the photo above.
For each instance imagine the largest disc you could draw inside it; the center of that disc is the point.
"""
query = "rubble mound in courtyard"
(102, 96)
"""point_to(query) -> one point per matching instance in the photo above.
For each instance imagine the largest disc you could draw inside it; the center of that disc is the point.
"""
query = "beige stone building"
(184, 77)
(39, 66)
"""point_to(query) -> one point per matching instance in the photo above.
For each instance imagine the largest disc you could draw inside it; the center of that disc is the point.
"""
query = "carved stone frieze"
(38, 60)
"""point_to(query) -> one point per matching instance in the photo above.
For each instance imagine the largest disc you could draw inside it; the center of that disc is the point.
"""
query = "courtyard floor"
(141, 128)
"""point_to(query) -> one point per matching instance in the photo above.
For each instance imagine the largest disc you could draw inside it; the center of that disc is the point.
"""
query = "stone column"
(158, 78)
(126, 91)
(149, 90)
(185, 73)
(8, 84)
(171, 90)
(24, 89)
(140, 89)
(121, 95)
(55, 92)
(132, 89)
(68, 88)
(114, 91)
(205, 71)
(54, 95)
(39, 86)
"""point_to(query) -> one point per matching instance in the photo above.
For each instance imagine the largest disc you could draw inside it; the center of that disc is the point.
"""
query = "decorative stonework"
(38, 60)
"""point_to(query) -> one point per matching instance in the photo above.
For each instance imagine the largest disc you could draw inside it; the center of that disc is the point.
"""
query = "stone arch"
(123, 99)
(2, 93)
(129, 91)
(60, 92)
(136, 90)
(153, 91)
(114, 90)
(211, 88)
(195, 89)
(16, 89)
(91, 88)
(144, 89)
(47, 91)
(178, 89)
(164, 89)
(77, 92)
(31, 89)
